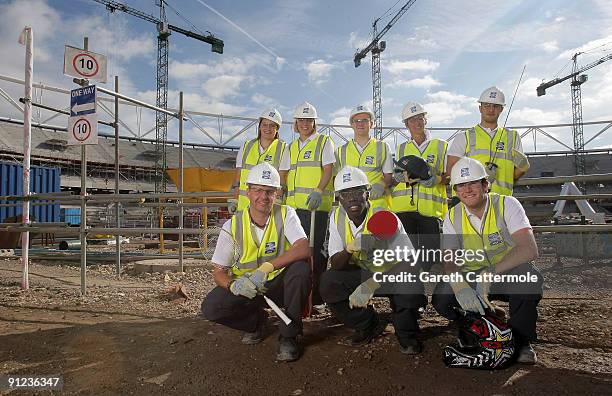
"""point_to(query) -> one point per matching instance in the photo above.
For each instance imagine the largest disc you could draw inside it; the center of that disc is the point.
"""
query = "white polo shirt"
(328, 156)
(459, 144)
(224, 251)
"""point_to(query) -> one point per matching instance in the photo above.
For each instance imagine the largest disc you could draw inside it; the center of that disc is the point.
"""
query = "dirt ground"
(126, 337)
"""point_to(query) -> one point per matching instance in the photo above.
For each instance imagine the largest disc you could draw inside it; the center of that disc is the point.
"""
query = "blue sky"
(440, 53)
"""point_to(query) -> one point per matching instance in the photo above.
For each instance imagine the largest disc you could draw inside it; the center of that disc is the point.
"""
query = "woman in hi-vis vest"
(266, 148)
(306, 171)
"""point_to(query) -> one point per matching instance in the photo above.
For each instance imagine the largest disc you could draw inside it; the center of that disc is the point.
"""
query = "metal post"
(117, 212)
(180, 186)
(83, 230)
(26, 38)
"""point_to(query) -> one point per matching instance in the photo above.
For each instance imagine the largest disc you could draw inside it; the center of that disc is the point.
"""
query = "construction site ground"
(128, 336)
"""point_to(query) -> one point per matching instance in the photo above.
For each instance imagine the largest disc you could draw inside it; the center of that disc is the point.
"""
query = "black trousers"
(405, 300)
(424, 233)
(523, 299)
(289, 290)
(320, 253)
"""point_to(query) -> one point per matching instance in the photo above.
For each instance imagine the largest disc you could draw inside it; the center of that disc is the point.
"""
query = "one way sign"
(83, 121)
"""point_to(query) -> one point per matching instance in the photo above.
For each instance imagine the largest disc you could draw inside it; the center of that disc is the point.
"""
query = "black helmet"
(416, 167)
(484, 342)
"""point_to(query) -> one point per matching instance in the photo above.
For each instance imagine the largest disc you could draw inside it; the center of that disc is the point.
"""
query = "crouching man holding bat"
(356, 233)
(261, 257)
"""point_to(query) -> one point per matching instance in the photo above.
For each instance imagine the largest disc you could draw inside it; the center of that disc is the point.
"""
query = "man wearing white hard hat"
(349, 285)
(422, 204)
(496, 230)
(273, 254)
(498, 149)
(306, 168)
(371, 155)
(267, 147)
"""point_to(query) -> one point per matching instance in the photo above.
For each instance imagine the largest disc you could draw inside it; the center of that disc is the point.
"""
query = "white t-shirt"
(327, 158)
(335, 240)
(421, 147)
(224, 250)
(514, 215)
(459, 144)
(387, 166)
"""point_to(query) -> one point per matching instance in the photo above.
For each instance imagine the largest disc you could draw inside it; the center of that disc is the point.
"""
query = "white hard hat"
(272, 115)
(467, 170)
(361, 109)
(412, 109)
(350, 177)
(492, 95)
(305, 110)
(264, 174)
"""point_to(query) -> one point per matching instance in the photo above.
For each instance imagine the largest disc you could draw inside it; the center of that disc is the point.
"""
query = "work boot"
(363, 337)
(411, 346)
(258, 335)
(288, 350)
(527, 355)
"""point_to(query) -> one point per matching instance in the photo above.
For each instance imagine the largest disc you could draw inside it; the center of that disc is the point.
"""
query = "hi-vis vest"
(428, 201)
(341, 220)
(370, 161)
(273, 243)
(305, 173)
(252, 157)
(498, 150)
(493, 238)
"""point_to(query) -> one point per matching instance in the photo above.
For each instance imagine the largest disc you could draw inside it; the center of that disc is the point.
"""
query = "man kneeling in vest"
(274, 250)
(493, 248)
(355, 275)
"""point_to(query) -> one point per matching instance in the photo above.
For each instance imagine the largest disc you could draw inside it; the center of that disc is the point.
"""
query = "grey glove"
(243, 287)
(400, 176)
(468, 298)
(429, 182)
(232, 205)
(491, 170)
(377, 191)
(314, 199)
(259, 277)
(363, 294)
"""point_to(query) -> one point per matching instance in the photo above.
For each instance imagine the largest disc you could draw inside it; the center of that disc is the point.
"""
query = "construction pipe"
(574, 228)
(536, 181)
(562, 197)
(74, 244)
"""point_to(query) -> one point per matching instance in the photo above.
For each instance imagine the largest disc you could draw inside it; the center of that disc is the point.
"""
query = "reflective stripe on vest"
(481, 147)
(428, 201)
(305, 173)
(273, 242)
(493, 238)
(251, 157)
(370, 161)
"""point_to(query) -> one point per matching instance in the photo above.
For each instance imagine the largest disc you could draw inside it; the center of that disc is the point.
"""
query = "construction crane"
(164, 30)
(377, 46)
(577, 80)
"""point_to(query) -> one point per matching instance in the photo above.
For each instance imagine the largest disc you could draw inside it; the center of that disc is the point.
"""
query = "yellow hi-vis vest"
(493, 238)
(273, 243)
(428, 201)
(252, 157)
(498, 150)
(370, 161)
(305, 173)
(341, 220)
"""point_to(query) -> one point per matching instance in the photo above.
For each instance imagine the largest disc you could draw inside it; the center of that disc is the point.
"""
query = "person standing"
(498, 149)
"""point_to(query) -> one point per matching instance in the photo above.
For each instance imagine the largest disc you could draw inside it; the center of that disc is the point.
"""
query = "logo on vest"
(267, 175)
(270, 248)
(465, 172)
(499, 146)
(431, 158)
(268, 158)
(307, 154)
(495, 239)
(369, 160)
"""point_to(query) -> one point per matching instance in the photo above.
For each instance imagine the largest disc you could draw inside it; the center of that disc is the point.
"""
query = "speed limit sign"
(84, 64)
(83, 120)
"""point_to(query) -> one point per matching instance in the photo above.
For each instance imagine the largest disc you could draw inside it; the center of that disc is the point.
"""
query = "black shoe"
(411, 346)
(257, 336)
(363, 337)
(288, 350)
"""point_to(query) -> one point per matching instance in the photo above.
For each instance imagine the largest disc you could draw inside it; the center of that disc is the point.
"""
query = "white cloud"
(228, 66)
(591, 45)
(532, 116)
(425, 82)
(549, 46)
(445, 107)
(222, 86)
(420, 65)
(263, 100)
(319, 71)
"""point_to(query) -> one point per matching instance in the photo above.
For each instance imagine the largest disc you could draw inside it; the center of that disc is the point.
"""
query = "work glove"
(260, 276)
(520, 161)
(232, 205)
(360, 297)
(377, 191)
(400, 176)
(467, 297)
(482, 288)
(243, 287)
(314, 199)
(432, 181)
(491, 170)
(361, 243)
